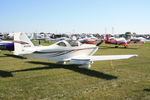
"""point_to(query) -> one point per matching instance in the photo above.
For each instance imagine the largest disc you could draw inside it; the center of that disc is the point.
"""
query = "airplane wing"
(86, 60)
(111, 57)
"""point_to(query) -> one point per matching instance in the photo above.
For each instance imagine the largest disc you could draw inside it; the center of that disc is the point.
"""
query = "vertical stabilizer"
(107, 38)
(21, 41)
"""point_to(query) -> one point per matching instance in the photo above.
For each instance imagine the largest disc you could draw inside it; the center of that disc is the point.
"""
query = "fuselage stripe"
(59, 53)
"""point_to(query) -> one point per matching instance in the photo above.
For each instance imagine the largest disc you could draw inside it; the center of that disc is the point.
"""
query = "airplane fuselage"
(60, 53)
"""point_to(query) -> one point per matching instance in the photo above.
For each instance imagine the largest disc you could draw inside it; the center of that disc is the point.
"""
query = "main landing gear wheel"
(61, 62)
(125, 46)
(116, 46)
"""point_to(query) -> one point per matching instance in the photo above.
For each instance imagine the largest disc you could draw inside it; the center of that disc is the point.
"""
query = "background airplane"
(5, 44)
(119, 41)
(138, 39)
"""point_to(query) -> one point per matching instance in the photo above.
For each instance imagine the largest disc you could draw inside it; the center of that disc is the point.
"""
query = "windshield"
(73, 44)
(62, 44)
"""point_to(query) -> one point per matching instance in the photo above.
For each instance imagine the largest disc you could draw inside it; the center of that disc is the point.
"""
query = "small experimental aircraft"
(89, 39)
(62, 51)
(138, 39)
(119, 41)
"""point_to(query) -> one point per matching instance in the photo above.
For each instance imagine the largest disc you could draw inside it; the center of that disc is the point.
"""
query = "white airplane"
(138, 39)
(62, 51)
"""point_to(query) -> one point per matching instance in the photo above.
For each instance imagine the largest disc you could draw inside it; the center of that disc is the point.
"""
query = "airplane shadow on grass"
(5, 74)
(146, 90)
(72, 67)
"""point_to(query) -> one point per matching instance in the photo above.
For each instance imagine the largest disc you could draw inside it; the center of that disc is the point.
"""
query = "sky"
(75, 16)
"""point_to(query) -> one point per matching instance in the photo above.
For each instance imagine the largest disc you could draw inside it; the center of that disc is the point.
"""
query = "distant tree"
(134, 34)
(128, 33)
(42, 33)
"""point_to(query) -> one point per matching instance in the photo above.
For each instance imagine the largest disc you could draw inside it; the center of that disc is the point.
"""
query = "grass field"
(36, 79)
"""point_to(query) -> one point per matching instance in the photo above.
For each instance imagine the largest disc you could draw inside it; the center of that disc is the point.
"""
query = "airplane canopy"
(68, 44)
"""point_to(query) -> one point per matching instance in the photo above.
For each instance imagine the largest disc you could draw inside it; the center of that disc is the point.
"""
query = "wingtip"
(135, 56)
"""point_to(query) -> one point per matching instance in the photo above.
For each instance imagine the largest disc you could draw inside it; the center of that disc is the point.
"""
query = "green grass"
(36, 79)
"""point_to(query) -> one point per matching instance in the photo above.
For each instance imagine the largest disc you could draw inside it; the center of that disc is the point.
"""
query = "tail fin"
(107, 38)
(21, 41)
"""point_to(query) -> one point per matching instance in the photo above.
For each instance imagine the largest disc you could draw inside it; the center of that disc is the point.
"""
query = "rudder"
(21, 41)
